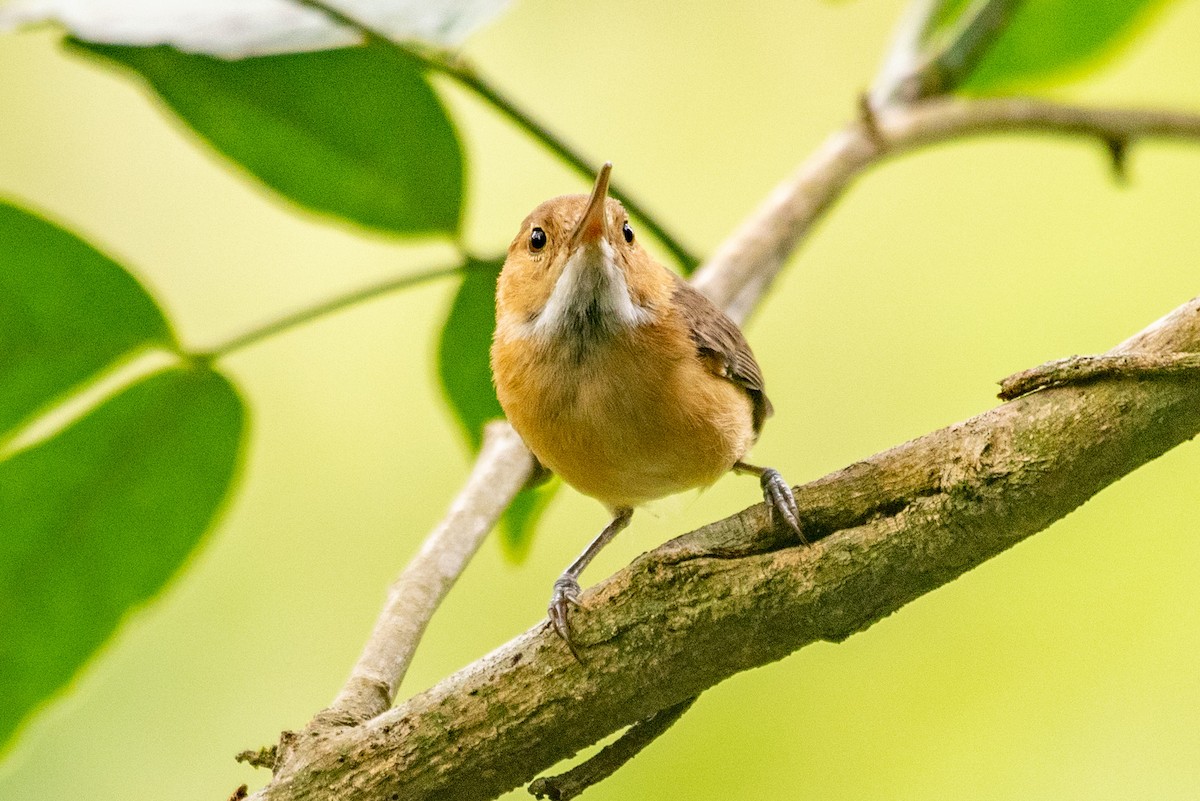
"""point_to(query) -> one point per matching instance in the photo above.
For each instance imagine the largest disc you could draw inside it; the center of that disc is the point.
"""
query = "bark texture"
(735, 594)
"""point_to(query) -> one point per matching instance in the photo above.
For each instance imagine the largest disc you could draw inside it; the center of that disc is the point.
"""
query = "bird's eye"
(537, 239)
(628, 232)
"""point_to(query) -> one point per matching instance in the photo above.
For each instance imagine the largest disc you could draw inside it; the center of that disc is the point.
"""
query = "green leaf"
(464, 365)
(66, 312)
(520, 520)
(356, 132)
(465, 373)
(247, 27)
(96, 519)
(1055, 40)
(947, 12)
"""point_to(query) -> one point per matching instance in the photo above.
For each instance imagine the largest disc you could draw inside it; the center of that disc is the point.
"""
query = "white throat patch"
(591, 291)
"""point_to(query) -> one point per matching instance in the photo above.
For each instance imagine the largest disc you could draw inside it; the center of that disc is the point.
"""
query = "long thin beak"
(592, 225)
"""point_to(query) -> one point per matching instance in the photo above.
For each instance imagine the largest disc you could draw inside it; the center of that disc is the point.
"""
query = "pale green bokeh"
(1066, 668)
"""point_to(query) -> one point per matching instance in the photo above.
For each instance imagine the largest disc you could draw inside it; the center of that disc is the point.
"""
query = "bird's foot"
(565, 595)
(781, 501)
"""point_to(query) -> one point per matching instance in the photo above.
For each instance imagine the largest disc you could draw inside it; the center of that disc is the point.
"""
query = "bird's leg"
(781, 501)
(566, 588)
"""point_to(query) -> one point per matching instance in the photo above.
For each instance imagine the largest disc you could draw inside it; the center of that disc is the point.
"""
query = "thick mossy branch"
(735, 595)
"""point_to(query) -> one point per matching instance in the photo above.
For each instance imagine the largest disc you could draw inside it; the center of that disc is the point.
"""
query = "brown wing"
(720, 343)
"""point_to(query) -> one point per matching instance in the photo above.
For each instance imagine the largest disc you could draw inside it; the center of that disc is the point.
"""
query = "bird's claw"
(781, 501)
(565, 595)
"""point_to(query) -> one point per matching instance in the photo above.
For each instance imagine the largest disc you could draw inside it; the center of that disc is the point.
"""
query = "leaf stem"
(335, 304)
(456, 67)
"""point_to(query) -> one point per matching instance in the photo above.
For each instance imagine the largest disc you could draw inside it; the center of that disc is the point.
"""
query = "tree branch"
(895, 488)
(736, 594)
(504, 466)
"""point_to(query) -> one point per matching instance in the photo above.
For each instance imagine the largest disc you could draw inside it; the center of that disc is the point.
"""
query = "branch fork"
(658, 632)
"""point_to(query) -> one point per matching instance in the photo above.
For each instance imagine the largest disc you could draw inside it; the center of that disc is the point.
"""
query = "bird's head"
(576, 270)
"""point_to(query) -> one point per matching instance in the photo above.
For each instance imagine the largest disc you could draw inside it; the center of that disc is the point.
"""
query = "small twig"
(1118, 153)
(460, 70)
(326, 307)
(567, 785)
(262, 758)
(1082, 369)
(504, 466)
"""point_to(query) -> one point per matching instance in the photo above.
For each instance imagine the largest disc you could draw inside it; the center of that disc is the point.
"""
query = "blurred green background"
(1067, 667)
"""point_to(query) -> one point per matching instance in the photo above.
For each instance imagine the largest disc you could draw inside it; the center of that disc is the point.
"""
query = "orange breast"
(635, 417)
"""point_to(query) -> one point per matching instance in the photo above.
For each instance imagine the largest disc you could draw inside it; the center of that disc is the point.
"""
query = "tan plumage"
(635, 414)
(620, 377)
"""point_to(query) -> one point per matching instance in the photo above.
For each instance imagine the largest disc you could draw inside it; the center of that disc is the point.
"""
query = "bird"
(618, 375)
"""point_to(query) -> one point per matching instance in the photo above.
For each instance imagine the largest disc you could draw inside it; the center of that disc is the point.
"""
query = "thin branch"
(1083, 369)
(459, 69)
(326, 307)
(746, 264)
(1118, 155)
(736, 594)
(604, 764)
(504, 466)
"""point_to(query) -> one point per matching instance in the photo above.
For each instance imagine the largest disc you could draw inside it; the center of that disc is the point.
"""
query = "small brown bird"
(618, 375)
